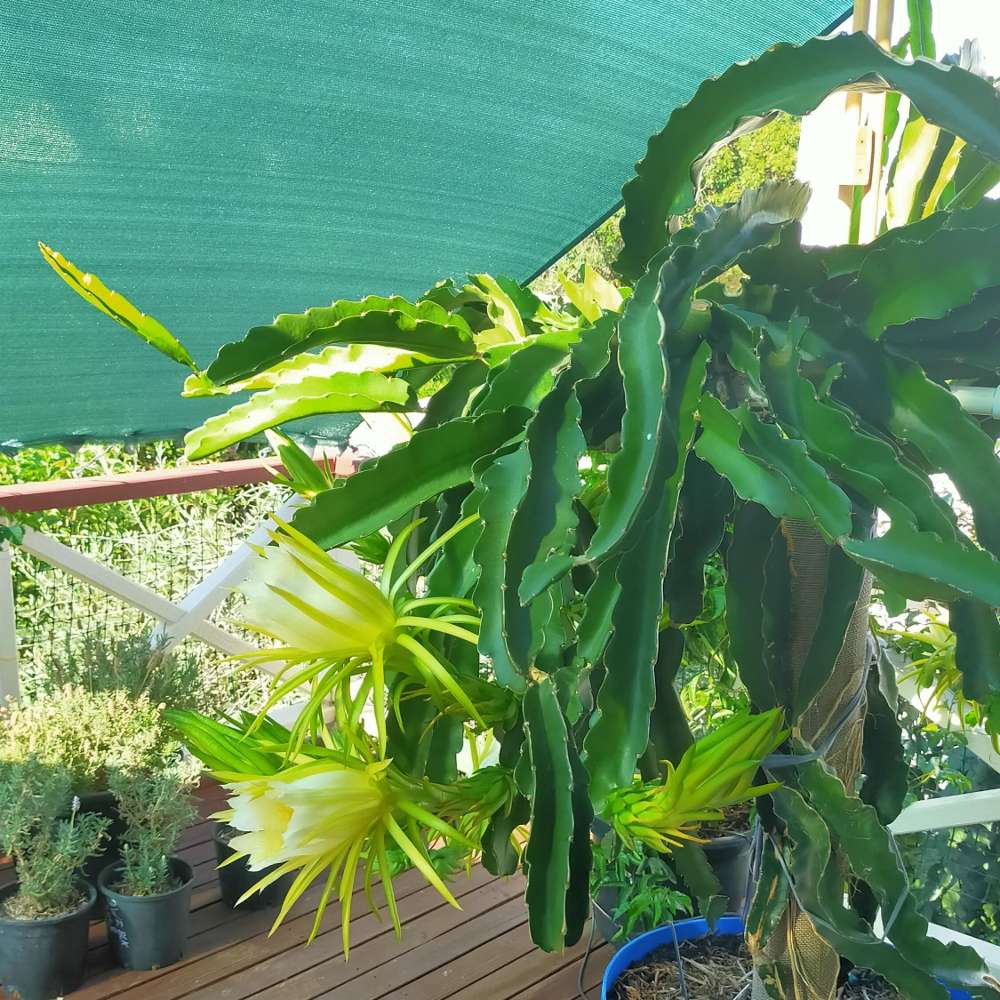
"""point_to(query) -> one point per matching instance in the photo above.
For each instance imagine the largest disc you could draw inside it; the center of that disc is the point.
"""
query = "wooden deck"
(482, 952)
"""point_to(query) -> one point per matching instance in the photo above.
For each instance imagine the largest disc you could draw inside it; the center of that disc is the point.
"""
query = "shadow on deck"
(482, 952)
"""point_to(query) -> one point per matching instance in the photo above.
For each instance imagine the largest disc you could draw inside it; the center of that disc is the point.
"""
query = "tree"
(779, 418)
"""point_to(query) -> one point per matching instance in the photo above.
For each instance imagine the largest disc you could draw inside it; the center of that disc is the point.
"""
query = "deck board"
(481, 952)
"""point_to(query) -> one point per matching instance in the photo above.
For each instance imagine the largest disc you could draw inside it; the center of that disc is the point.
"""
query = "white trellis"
(189, 616)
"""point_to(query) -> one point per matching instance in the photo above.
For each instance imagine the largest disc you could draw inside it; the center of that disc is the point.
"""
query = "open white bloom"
(333, 624)
(329, 818)
(322, 813)
(301, 597)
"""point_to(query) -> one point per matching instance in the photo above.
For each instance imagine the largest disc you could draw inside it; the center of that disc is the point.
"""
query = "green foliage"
(643, 885)
(226, 747)
(826, 817)
(89, 735)
(12, 533)
(548, 852)
(597, 250)
(93, 290)
(766, 154)
(435, 460)
(708, 682)
(753, 424)
(717, 771)
(954, 871)
(137, 665)
(794, 79)
(48, 838)
(447, 861)
(338, 393)
(929, 648)
(156, 808)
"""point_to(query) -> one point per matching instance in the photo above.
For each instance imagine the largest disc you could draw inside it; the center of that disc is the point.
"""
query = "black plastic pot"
(42, 959)
(603, 905)
(148, 932)
(236, 879)
(729, 857)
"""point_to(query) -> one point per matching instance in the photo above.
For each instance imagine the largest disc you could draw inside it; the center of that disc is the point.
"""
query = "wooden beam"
(64, 493)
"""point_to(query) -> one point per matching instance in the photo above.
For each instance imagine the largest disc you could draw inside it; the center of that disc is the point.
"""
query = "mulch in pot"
(719, 968)
(735, 819)
(715, 968)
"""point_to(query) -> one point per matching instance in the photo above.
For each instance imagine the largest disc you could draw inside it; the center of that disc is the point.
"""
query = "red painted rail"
(63, 493)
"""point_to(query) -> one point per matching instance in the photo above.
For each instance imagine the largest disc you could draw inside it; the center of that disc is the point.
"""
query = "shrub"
(766, 154)
(157, 808)
(138, 664)
(87, 734)
(48, 847)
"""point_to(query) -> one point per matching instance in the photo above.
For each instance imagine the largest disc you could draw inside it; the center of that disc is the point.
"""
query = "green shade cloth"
(221, 162)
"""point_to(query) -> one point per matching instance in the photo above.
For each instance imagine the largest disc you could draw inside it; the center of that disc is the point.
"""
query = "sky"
(956, 20)
(828, 135)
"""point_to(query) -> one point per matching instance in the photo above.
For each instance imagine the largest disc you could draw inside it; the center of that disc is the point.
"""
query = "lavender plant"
(42, 829)
(157, 808)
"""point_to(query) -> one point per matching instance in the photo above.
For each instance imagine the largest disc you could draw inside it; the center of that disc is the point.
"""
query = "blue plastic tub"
(638, 948)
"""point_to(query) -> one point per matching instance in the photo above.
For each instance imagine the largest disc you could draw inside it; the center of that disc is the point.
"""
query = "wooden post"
(866, 112)
(10, 683)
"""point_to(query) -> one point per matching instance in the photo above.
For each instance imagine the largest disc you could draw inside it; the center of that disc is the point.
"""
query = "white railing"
(953, 810)
(9, 684)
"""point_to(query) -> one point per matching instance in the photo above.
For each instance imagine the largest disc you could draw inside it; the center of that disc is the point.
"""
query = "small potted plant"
(693, 960)
(44, 916)
(727, 847)
(147, 893)
(633, 890)
(651, 819)
(686, 958)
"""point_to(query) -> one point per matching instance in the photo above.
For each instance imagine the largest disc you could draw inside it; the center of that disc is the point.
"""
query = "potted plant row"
(94, 796)
(89, 734)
